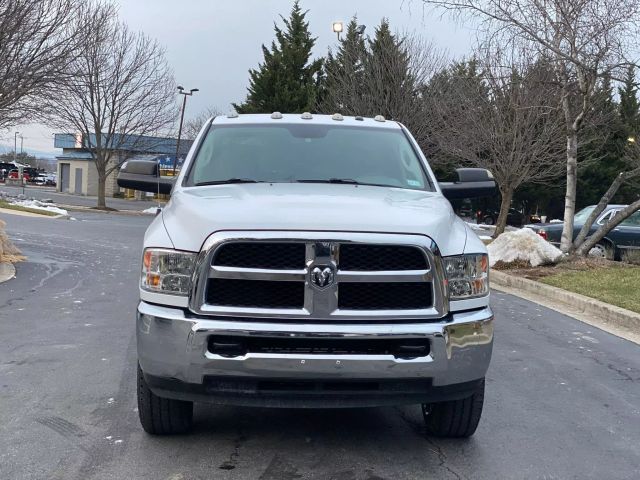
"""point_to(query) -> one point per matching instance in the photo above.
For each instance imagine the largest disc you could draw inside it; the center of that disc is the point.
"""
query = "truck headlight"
(466, 276)
(167, 271)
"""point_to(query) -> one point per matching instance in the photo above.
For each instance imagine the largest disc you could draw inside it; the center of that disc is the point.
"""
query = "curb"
(79, 208)
(607, 315)
(7, 272)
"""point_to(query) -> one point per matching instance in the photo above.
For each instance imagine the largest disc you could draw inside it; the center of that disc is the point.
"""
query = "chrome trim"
(321, 249)
(173, 345)
(385, 276)
(257, 274)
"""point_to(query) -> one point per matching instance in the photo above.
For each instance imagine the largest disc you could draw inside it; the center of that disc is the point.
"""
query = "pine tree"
(287, 80)
(629, 106)
(600, 159)
(343, 74)
(391, 85)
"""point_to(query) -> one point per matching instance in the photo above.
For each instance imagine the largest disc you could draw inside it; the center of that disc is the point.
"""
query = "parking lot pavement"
(563, 398)
(40, 193)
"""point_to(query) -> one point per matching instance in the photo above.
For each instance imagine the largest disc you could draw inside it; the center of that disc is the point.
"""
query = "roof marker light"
(276, 116)
(337, 117)
(232, 115)
(379, 118)
(306, 116)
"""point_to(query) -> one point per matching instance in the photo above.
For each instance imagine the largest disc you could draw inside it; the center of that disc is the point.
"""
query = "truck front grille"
(345, 278)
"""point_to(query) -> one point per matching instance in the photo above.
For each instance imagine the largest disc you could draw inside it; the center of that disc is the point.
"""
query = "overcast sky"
(211, 44)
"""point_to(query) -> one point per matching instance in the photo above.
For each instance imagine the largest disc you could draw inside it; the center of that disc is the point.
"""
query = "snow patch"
(555, 220)
(525, 245)
(150, 211)
(38, 205)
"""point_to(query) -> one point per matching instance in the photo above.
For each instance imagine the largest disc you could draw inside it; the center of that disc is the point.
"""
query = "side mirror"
(144, 175)
(471, 183)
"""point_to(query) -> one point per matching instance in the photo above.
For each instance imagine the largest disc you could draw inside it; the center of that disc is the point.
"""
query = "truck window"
(293, 152)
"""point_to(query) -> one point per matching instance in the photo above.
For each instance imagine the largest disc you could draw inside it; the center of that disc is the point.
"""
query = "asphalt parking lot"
(562, 401)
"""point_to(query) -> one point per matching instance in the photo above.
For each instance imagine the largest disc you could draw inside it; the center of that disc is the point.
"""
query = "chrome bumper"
(174, 346)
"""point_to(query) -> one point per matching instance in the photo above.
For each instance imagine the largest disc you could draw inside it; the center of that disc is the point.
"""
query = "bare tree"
(193, 126)
(499, 113)
(584, 242)
(587, 40)
(121, 92)
(38, 40)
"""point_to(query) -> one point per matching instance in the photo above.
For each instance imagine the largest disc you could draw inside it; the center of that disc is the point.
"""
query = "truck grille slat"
(255, 293)
(281, 256)
(358, 257)
(384, 296)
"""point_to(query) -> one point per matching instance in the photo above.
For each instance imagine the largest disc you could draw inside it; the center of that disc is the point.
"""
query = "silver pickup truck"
(311, 261)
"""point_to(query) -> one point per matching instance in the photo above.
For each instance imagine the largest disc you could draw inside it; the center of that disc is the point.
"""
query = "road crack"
(420, 430)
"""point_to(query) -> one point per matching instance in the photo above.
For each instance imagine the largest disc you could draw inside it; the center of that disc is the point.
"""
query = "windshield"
(308, 153)
(582, 215)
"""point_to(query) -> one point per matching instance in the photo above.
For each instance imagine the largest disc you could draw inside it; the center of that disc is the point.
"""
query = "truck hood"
(194, 213)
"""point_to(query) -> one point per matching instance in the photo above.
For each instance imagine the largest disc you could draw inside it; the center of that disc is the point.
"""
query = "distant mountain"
(37, 153)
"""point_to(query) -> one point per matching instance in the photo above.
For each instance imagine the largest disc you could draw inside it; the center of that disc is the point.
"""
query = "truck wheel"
(454, 418)
(162, 416)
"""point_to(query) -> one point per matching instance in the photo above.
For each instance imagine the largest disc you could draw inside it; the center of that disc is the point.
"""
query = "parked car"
(311, 261)
(624, 238)
(5, 168)
(40, 179)
(15, 175)
(52, 180)
(490, 217)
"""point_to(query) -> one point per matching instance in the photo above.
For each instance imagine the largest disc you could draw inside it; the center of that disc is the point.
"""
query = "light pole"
(337, 28)
(21, 144)
(15, 147)
(181, 91)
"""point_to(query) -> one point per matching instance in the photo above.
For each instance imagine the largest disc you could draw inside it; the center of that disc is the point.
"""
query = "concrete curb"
(79, 208)
(609, 316)
(7, 272)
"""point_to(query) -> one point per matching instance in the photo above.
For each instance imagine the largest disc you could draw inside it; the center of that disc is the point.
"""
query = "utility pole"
(21, 144)
(184, 106)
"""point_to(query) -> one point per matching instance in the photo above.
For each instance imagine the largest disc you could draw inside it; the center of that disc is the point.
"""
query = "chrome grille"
(350, 276)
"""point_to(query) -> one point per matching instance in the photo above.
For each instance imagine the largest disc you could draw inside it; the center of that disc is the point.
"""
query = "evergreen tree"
(287, 80)
(392, 88)
(629, 105)
(344, 74)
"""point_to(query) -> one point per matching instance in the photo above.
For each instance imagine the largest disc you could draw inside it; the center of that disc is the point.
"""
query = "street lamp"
(181, 91)
(631, 140)
(15, 147)
(337, 28)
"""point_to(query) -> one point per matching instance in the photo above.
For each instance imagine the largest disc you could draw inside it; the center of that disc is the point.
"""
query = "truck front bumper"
(173, 352)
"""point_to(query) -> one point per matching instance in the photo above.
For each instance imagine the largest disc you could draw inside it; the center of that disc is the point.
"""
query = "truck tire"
(454, 418)
(162, 416)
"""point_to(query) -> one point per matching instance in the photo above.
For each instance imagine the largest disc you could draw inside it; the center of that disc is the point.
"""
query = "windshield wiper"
(228, 180)
(347, 181)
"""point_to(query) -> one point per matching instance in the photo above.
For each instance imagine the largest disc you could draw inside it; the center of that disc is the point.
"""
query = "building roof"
(129, 143)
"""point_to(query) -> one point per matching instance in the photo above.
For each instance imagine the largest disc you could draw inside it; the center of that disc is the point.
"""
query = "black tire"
(454, 418)
(489, 220)
(162, 416)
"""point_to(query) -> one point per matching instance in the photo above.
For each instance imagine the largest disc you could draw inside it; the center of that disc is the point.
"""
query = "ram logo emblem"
(322, 276)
